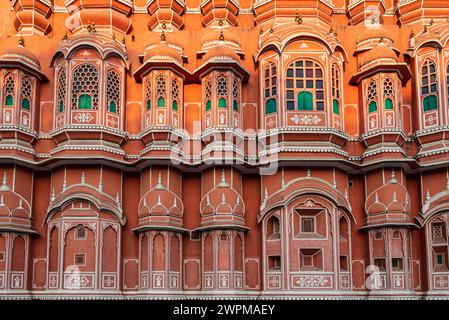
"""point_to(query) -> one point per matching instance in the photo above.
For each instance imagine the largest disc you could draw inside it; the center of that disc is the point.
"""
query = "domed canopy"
(222, 206)
(389, 204)
(160, 208)
(380, 58)
(20, 57)
(159, 54)
(15, 211)
(381, 51)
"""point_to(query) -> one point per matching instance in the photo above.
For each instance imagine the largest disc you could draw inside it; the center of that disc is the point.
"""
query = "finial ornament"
(164, 25)
(223, 183)
(114, 37)
(159, 185)
(427, 195)
(163, 37)
(53, 195)
(298, 18)
(308, 173)
(83, 178)
(21, 41)
(4, 186)
(425, 28)
(65, 36)
(220, 22)
(431, 22)
(393, 177)
(447, 183)
(124, 40)
(221, 38)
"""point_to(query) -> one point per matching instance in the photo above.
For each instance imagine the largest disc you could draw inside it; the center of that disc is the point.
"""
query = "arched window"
(388, 104)
(336, 92)
(161, 102)
(222, 91)
(85, 102)
(148, 93)
(80, 233)
(222, 103)
(26, 94)
(305, 86)
(175, 93)
(388, 93)
(112, 91)
(8, 91)
(270, 88)
(429, 85)
(85, 87)
(61, 90)
(236, 95)
(273, 228)
(305, 100)
(208, 94)
(372, 97)
(270, 106)
(161, 90)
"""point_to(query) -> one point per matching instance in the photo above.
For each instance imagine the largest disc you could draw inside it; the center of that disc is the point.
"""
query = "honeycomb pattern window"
(26, 94)
(222, 91)
(175, 93)
(336, 91)
(270, 88)
(113, 91)
(429, 86)
(208, 94)
(388, 93)
(61, 90)
(8, 91)
(148, 93)
(236, 94)
(161, 90)
(371, 95)
(305, 86)
(85, 87)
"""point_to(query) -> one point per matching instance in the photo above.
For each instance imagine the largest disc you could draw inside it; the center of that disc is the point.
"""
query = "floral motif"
(305, 119)
(83, 117)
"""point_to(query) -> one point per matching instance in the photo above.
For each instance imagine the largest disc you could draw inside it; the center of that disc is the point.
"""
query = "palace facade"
(210, 148)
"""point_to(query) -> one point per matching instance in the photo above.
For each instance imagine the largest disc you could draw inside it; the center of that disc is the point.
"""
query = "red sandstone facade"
(116, 118)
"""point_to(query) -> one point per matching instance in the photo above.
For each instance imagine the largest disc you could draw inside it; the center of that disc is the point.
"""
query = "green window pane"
(336, 106)
(175, 105)
(112, 107)
(84, 102)
(430, 103)
(372, 107)
(270, 106)
(26, 104)
(395, 263)
(235, 106)
(148, 105)
(388, 104)
(61, 106)
(305, 100)
(161, 102)
(208, 105)
(222, 103)
(440, 259)
(9, 101)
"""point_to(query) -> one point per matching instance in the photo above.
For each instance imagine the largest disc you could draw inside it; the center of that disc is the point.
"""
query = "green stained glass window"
(372, 107)
(112, 107)
(208, 105)
(270, 106)
(336, 106)
(305, 100)
(161, 102)
(235, 106)
(26, 104)
(388, 104)
(175, 105)
(430, 103)
(85, 102)
(222, 103)
(9, 101)
(148, 105)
